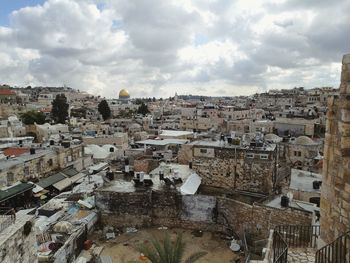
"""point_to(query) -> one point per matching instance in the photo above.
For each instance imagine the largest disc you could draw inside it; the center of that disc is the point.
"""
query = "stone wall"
(243, 216)
(15, 246)
(169, 208)
(145, 165)
(335, 190)
(231, 169)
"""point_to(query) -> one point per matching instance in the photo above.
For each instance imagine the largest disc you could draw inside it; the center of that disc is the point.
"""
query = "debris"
(197, 233)
(87, 244)
(98, 250)
(234, 246)
(110, 235)
(63, 227)
(131, 230)
(86, 204)
(162, 228)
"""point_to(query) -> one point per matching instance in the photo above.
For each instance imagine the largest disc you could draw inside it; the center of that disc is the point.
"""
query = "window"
(250, 155)
(264, 156)
(50, 162)
(26, 171)
(10, 177)
(203, 150)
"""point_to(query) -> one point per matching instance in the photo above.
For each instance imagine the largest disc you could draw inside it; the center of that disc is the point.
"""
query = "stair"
(301, 255)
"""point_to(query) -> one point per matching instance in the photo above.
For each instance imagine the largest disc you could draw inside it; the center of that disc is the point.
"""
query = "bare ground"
(123, 248)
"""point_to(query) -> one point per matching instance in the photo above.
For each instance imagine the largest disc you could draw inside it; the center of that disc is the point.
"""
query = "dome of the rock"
(124, 94)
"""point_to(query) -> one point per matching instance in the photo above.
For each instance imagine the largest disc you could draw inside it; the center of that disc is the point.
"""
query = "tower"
(335, 191)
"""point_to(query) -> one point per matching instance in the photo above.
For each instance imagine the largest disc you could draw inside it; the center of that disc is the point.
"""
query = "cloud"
(155, 48)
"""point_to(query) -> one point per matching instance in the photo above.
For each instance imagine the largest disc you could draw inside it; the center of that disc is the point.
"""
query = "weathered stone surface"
(335, 191)
(346, 59)
(171, 209)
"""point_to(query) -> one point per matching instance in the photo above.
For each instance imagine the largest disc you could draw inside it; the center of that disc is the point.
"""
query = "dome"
(124, 94)
(304, 140)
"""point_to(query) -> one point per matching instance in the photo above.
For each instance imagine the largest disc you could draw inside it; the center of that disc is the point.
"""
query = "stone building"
(251, 167)
(17, 241)
(40, 162)
(335, 192)
(303, 153)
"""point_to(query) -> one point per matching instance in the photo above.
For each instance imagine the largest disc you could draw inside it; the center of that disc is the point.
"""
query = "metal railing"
(279, 248)
(337, 251)
(299, 236)
(7, 217)
(246, 249)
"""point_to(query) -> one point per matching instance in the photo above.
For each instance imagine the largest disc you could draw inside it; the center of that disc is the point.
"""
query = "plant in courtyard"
(166, 251)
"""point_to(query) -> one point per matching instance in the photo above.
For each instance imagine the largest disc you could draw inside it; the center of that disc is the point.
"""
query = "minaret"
(335, 189)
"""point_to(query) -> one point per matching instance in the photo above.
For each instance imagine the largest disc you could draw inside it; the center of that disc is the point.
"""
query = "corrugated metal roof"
(46, 182)
(15, 190)
(61, 185)
(69, 171)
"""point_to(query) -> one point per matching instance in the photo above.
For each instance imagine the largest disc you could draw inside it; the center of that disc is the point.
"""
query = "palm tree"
(166, 251)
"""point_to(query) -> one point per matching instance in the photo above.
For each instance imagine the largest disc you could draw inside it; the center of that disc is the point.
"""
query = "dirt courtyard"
(122, 248)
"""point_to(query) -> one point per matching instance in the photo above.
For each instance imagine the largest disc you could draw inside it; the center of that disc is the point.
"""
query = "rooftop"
(302, 180)
(223, 144)
(124, 186)
(162, 142)
(296, 204)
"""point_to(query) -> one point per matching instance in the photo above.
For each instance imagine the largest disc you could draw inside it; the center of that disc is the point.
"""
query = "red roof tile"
(7, 92)
(15, 151)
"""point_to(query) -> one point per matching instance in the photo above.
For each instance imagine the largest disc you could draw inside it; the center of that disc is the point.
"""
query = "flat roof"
(309, 207)
(174, 133)
(162, 142)
(123, 186)
(221, 144)
(302, 180)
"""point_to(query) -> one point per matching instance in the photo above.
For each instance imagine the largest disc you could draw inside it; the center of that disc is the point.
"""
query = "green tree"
(143, 109)
(165, 251)
(31, 117)
(104, 109)
(59, 109)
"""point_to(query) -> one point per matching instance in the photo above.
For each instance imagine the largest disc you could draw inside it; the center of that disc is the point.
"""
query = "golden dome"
(124, 94)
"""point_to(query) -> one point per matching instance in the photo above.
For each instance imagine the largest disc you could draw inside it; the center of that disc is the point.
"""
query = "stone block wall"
(230, 169)
(335, 190)
(15, 246)
(243, 216)
(145, 165)
(169, 208)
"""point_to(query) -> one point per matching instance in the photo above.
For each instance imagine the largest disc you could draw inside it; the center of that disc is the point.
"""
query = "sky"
(156, 47)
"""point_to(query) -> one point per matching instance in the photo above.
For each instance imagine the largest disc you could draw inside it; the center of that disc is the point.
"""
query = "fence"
(280, 248)
(299, 236)
(337, 251)
(7, 217)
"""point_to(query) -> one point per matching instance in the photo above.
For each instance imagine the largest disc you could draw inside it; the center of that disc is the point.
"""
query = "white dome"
(304, 140)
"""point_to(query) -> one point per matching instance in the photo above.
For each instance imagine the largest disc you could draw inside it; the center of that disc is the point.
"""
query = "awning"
(14, 191)
(48, 181)
(191, 185)
(61, 185)
(69, 172)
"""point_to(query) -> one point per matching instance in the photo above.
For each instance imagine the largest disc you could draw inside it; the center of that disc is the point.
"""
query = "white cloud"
(155, 47)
